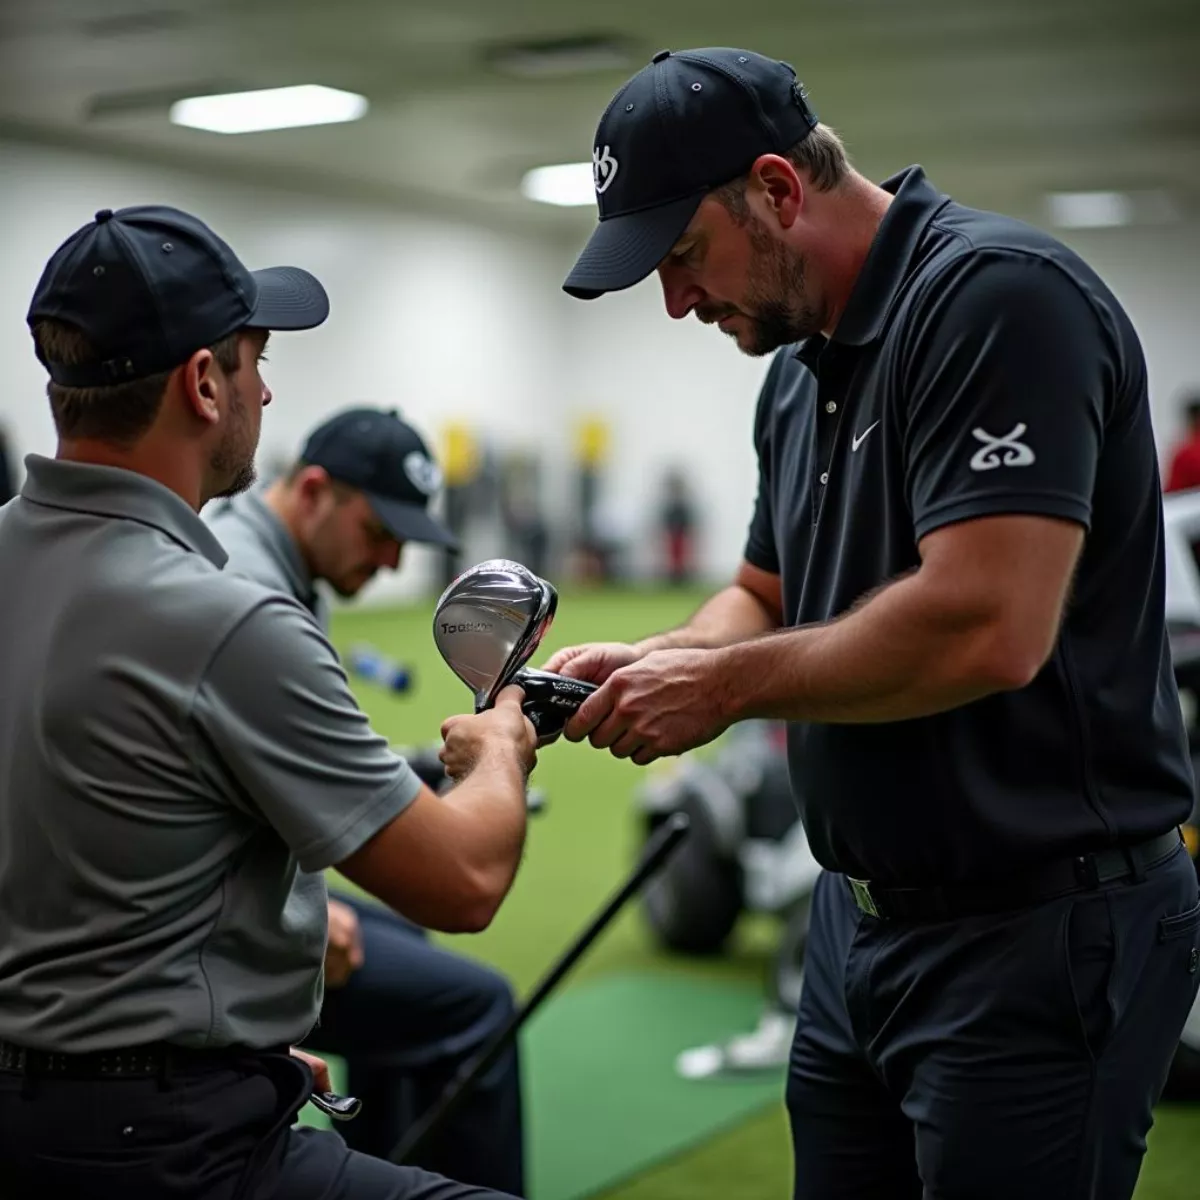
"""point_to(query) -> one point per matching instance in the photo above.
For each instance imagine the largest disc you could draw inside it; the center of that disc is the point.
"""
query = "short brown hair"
(119, 413)
(821, 154)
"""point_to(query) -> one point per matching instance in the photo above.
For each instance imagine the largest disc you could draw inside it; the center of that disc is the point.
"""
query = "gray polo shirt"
(260, 547)
(180, 758)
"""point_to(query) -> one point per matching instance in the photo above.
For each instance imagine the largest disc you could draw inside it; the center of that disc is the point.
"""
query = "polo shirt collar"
(116, 492)
(267, 524)
(887, 263)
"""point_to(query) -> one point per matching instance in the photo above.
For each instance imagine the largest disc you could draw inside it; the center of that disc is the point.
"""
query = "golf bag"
(747, 851)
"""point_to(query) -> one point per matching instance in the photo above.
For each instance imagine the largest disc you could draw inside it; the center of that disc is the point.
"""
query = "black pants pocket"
(1180, 925)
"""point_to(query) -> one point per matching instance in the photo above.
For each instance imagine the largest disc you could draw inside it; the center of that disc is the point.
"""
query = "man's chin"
(751, 343)
(242, 482)
(749, 336)
(350, 586)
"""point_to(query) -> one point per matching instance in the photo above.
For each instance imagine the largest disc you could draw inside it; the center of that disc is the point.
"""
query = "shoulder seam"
(1030, 254)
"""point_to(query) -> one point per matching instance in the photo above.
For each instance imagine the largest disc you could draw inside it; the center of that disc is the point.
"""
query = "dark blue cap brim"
(409, 522)
(288, 298)
(623, 250)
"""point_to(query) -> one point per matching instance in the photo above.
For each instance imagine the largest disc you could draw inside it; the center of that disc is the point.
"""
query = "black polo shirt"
(980, 368)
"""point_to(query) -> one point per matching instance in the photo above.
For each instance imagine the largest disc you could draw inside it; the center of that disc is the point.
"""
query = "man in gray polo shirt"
(181, 759)
(405, 1013)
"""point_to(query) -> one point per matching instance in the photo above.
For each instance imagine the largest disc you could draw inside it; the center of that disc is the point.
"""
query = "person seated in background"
(1184, 470)
(403, 1012)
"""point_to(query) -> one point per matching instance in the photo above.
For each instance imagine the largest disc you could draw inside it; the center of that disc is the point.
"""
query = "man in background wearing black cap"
(952, 590)
(404, 1013)
(181, 761)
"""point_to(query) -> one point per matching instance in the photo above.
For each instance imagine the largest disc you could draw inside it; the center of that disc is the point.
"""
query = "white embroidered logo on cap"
(1015, 453)
(604, 168)
(423, 472)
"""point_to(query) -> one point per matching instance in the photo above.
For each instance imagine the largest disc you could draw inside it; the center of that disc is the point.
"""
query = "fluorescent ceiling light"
(1090, 210)
(1109, 210)
(269, 108)
(566, 184)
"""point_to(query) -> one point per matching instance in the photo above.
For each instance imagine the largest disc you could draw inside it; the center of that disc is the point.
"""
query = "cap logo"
(604, 168)
(422, 472)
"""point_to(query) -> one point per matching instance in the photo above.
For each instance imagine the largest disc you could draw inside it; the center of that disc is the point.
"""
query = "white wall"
(675, 393)
(444, 320)
(450, 321)
(1154, 273)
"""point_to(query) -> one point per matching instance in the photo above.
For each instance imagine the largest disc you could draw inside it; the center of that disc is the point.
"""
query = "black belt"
(1079, 873)
(131, 1063)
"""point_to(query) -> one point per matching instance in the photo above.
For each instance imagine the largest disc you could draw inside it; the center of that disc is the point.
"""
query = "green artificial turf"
(581, 848)
(603, 1099)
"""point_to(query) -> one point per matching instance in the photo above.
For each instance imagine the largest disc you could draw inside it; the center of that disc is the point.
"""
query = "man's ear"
(775, 183)
(314, 487)
(201, 385)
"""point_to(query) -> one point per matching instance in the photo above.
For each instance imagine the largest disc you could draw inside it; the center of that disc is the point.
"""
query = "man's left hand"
(344, 950)
(319, 1068)
(664, 704)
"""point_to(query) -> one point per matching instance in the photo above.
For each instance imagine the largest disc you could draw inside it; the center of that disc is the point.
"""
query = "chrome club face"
(489, 622)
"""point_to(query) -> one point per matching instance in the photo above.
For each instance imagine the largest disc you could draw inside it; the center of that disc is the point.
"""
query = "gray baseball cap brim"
(624, 249)
(288, 298)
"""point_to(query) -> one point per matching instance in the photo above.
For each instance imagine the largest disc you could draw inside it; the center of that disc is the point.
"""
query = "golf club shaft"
(665, 839)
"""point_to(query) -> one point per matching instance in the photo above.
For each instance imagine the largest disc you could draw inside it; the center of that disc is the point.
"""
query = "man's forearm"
(732, 615)
(492, 809)
(902, 654)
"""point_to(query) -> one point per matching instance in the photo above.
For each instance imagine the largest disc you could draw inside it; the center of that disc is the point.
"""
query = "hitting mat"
(602, 1098)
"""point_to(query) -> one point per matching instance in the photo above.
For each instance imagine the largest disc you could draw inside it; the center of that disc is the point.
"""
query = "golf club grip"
(663, 842)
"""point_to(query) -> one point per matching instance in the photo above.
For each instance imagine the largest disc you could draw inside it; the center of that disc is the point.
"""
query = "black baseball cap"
(685, 124)
(383, 456)
(151, 285)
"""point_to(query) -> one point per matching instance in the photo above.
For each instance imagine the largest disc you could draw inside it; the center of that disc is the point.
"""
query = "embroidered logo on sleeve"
(1005, 451)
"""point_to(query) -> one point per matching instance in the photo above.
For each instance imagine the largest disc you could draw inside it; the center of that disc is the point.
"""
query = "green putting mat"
(602, 1095)
(602, 1099)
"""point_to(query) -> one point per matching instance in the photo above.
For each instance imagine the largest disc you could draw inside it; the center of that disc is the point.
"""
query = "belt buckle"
(861, 889)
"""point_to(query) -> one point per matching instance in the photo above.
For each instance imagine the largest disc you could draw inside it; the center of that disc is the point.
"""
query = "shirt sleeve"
(760, 549)
(1006, 391)
(279, 734)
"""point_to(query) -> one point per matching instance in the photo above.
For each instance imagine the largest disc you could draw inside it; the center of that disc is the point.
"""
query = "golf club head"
(551, 700)
(489, 622)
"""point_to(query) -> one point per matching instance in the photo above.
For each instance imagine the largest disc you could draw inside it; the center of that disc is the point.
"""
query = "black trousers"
(405, 1022)
(196, 1133)
(990, 1057)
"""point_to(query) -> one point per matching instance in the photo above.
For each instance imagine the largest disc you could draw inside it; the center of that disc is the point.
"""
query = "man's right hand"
(595, 661)
(467, 738)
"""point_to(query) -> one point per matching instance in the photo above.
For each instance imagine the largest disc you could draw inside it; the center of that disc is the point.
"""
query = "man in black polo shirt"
(953, 591)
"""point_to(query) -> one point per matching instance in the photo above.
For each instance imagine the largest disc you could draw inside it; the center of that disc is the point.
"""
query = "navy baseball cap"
(387, 460)
(683, 125)
(151, 285)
